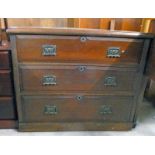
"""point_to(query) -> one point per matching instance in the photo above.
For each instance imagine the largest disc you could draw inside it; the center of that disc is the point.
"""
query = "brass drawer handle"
(82, 68)
(110, 81)
(49, 80)
(113, 52)
(105, 109)
(49, 50)
(50, 110)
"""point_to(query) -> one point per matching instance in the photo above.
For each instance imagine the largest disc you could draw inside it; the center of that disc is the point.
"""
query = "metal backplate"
(105, 109)
(49, 50)
(113, 52)
(49, 80)
(110, 81)
(50, 110)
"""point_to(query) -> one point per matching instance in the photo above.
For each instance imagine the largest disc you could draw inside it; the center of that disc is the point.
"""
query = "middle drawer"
(70, 77)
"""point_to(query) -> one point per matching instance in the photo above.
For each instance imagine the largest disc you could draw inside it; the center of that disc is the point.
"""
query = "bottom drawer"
(71, 108)
(7, 109)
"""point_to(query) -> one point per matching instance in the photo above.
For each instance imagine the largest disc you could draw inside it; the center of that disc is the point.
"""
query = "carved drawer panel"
(69, 77)
(35, 48)
(69, 107)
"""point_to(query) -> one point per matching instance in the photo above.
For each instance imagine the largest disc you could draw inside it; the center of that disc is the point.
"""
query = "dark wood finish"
(150, 89)
(42, 85)
(5, 83)
(8, 114)
(92, 78)
(151, 62)
(8, 124)
(7, 109)
(0, 31)
(71, 109)
(4, 60)
(71, 48)
(75, 126)
(141, 79)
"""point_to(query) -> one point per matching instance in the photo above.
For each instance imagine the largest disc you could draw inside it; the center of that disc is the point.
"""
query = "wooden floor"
(145, 127)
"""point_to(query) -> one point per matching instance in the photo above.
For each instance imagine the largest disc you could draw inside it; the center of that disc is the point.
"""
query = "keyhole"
(79, 97)
(82, 68)
(83, 39)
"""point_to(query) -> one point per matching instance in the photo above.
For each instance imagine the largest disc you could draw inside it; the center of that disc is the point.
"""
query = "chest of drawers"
(78, 79)
(7, 101)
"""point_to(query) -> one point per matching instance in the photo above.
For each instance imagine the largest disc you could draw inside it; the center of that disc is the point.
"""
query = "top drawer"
(35, 48)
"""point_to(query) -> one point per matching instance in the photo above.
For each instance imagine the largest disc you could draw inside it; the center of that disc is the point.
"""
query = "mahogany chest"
(78, 79)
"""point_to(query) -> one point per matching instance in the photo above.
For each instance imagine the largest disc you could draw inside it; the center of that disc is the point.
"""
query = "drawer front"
(7, 109)
(76, 108)
(72, 48)
(4, 60)
(5, 83)
(76, 78)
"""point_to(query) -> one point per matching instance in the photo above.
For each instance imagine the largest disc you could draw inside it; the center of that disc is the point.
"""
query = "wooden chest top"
(77, 31)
